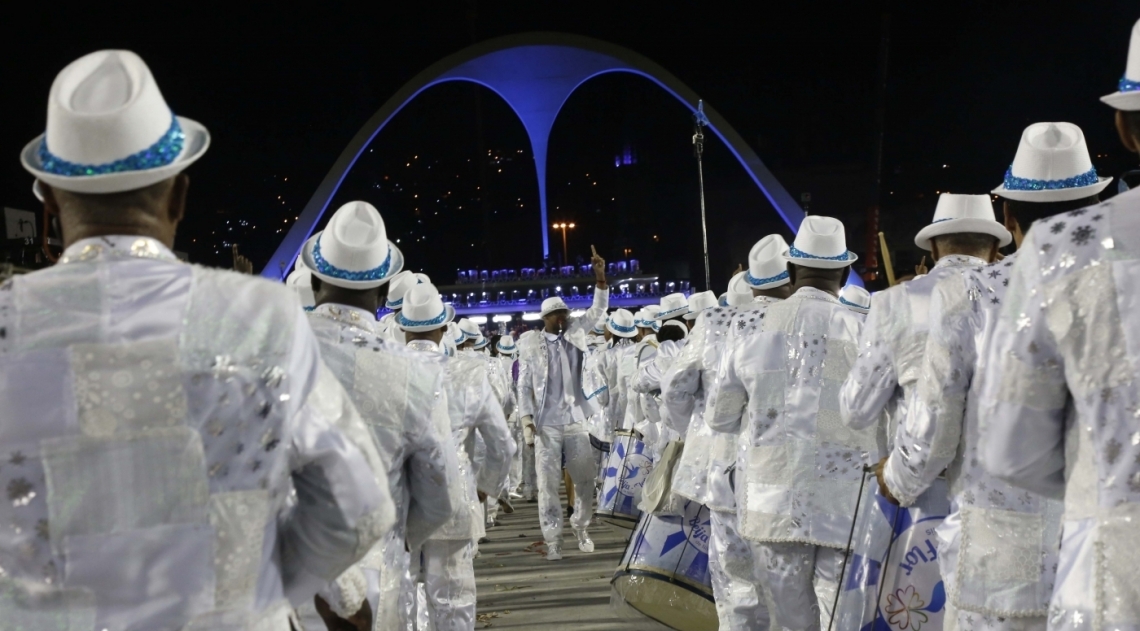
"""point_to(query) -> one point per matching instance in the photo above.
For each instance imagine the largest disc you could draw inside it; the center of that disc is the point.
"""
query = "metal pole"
(847, 551)
(565, 259)
(700, 120)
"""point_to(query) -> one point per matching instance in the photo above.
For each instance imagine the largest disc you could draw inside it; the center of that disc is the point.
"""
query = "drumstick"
(887, 260)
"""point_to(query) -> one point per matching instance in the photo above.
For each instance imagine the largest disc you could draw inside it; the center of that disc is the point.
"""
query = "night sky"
(284, 88)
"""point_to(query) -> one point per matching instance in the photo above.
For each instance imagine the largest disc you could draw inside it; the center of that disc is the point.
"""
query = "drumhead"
(670, 602)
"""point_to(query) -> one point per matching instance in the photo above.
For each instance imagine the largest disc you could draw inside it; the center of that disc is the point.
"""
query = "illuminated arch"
(534, 73)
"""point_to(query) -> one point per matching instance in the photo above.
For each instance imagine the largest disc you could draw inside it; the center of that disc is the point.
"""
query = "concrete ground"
(519, 589)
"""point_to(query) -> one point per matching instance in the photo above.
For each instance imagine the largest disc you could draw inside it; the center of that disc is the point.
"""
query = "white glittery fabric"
(174, 453)
(1070, 325)
(800, 477)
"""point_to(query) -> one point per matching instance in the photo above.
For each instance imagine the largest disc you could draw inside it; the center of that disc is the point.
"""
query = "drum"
(664, 573)
(627, 466)
(893, 580)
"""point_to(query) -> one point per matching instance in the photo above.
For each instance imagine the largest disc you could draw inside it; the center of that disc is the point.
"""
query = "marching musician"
(172, 409)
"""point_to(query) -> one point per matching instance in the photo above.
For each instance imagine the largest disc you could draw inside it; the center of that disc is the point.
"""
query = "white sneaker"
(585, 544)
(554, 552)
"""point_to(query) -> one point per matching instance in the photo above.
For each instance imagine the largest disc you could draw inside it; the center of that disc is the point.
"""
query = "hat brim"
(963, 225)
(672, 313)
(394, 268)
(448, 309)
(1054, 195)
(197, 142)
(692, 315)
(821, 263)
(619, 333)
(1126, 101)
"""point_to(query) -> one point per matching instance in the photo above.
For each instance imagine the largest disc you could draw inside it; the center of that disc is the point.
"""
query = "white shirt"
(175, 410)
(1061, 398)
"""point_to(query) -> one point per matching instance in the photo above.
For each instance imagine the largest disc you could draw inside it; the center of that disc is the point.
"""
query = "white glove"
(528, 429)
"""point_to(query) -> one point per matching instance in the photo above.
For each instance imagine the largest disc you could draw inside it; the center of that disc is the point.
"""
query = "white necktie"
(567, 380)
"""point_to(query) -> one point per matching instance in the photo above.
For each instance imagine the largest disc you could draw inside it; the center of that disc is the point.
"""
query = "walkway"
(520, 589)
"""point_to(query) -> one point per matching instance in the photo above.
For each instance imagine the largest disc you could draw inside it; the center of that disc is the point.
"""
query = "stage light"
(502, 318)
(478, 319)
(531, 316)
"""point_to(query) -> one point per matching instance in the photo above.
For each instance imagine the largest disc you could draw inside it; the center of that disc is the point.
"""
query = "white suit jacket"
(891, 347)
(155, 419)
(801, 477)
(1061, 399)
(395, 391)
(534, 361)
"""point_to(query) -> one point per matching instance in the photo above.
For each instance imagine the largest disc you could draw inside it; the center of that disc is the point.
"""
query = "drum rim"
(637, 570)
(683, 583)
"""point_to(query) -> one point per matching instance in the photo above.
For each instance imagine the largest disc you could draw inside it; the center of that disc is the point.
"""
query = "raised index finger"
(593, 252)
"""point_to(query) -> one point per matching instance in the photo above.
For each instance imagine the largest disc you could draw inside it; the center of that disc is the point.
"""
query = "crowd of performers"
(187, 448)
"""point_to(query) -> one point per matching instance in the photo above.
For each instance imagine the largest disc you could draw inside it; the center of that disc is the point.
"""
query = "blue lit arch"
(534, 73)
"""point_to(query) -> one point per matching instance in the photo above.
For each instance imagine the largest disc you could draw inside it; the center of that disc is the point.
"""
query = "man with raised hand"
(703, 474)
(554, 408)
(799, 474)
(173, 410)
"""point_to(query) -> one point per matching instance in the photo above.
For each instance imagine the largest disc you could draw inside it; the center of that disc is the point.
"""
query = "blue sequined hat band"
(1014, 183)
(1127, 85)
(328, 269)
(438, 320)
(756, 282)
(394, 304)
(160, 154)
(622, 329)
(669, 313)
(800, 254)
(844, 301)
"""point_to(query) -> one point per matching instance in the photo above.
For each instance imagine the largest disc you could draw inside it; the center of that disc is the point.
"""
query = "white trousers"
(393, 605)
(802, 579)
(449, 585)
(515, 475)
(550, 446)
(740, 601)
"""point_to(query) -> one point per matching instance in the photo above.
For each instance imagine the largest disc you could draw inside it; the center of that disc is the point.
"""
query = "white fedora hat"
(821, 243)
(644, 317)
(963, 213)
(469, 329)
(599, 327)
(767, 267)
(698, 302)
(1051, 165)
(621, 323)
(455, 334)
(672, 306)
(353, 251)
(301, 280)
(855, 298)
(399, 286)
(552, 304)
(481, 342)
(109, 129)
(1127, 95)
(506, 345)
(739, 292)
(424, 310)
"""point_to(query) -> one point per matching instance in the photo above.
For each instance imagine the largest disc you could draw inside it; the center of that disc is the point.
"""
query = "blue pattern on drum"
(914, 595)
(626, 470)
(659, 546)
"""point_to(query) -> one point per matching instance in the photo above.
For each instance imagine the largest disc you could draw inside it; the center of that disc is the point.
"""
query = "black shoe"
(570, 510)
(483, 540)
